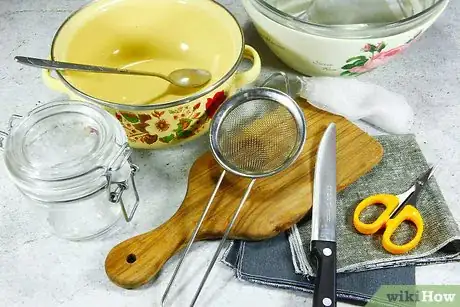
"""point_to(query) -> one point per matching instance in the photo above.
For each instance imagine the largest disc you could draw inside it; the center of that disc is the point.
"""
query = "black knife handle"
(324, 252)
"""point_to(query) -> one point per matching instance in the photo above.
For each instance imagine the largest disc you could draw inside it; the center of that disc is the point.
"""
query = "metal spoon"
(181, 77)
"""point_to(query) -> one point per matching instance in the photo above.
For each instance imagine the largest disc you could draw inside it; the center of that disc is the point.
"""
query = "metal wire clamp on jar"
(72, 160)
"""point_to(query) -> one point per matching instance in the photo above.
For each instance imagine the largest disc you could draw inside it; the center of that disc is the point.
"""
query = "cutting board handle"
(137, 260)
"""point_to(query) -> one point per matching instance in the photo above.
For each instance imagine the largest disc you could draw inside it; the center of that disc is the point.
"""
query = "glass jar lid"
(351, 12)
(62, 150)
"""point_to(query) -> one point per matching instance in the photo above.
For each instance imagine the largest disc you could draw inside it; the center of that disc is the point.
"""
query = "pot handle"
(245, 77)
(52, 82)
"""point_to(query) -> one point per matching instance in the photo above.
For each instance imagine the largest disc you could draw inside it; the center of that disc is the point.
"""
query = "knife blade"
(322, 244)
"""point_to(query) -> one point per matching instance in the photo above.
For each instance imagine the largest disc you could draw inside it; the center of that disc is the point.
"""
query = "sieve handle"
(286, 81)
(192, 239)
(222, 242)
(137, 260)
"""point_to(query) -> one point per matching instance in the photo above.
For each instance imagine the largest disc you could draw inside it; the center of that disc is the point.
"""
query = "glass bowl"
(316, 38)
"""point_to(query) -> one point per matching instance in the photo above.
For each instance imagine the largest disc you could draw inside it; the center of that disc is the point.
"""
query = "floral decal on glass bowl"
(171, 124)
(376, 55)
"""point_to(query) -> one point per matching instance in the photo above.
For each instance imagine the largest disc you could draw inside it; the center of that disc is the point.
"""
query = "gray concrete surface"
(40, 270)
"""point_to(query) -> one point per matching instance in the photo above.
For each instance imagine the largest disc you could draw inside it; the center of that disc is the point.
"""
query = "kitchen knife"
(323, 244)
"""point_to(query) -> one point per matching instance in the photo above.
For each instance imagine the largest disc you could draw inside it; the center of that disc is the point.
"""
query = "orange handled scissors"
(398, 208)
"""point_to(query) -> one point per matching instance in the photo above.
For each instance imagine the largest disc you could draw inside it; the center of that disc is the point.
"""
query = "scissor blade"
(433, 170)
(426, 176)
(411, 195)
(324, 188)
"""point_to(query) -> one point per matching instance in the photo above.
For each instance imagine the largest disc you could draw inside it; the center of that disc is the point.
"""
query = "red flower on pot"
(162, 125)
(212, 104)
(149, 139)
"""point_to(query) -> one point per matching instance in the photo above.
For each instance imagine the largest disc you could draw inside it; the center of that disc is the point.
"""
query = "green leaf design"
(359, 62)
(356, 63)
(345, 73)
(178, 129)
(348, 66)
(180, 126)
(184, 134)
(131, 117)
(361, 57)
(167, 139)
(381, 47)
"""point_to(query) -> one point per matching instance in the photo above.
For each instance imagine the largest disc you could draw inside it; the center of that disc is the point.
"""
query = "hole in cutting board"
(131, 258)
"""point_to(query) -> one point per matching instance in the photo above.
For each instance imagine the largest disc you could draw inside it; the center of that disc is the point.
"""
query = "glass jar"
(72, 160)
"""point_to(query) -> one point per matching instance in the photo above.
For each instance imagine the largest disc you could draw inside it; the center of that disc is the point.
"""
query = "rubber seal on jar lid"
(62, 140)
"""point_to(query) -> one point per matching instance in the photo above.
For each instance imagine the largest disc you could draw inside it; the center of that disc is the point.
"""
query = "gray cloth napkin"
(269, 262)
(401, 164)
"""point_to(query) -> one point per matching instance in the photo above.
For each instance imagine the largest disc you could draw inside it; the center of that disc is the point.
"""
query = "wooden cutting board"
(274, 205)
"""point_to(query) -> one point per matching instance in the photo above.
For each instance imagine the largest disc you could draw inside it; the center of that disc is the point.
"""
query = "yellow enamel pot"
(159, 36)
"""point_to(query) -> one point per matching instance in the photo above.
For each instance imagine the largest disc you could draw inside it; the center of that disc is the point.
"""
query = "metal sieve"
(257, 133)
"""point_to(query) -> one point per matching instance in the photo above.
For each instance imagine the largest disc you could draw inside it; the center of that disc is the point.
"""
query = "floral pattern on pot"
(375, 57)
(171, 124)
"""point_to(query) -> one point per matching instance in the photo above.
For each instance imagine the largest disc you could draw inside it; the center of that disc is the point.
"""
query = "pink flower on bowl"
(378, 59)
(360, 69)
(367, 47)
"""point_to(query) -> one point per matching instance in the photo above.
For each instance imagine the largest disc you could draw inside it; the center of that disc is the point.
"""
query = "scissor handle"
(408, 213)
(388, 200)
